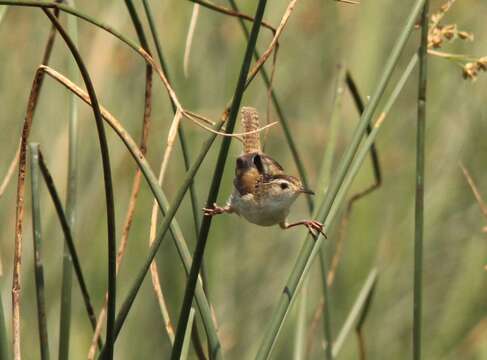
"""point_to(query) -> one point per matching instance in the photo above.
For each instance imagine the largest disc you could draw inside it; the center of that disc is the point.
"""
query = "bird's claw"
(313, 226)
(215, 210)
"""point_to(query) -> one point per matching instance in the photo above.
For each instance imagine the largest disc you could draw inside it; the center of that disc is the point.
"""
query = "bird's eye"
(284, 186)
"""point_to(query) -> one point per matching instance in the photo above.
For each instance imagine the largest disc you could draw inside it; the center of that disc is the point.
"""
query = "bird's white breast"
(265, 212)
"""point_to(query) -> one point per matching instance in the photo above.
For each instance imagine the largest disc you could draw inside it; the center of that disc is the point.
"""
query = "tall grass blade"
(20, 206)
(215, 186)
(110, 209)
(361, 322)
(68, 239)
(360, 106)
(419, 206)
(4, 343)
(325, 215)
(72, 180)
(169, 223)
(136, 184)
(324, 179)
(300, 333)
(194, 201)
(187, 335)
(181, 134)
(37, 244)
(356, 312)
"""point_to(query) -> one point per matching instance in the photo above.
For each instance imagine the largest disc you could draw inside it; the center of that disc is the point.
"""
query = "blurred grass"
(247, 269)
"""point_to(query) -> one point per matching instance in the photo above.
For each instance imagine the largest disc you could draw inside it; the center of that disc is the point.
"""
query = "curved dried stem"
(19, 214)
(231, 12)
(156, 282)
(274, 42)
(194, 117)
(475, 190)
(189, 38)
(130, 210)
(32, 104)
(115, 125)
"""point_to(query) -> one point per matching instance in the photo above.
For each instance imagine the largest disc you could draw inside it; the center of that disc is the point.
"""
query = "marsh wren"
(263, 192)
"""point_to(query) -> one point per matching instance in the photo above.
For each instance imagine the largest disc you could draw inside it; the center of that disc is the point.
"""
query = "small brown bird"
(263, 192)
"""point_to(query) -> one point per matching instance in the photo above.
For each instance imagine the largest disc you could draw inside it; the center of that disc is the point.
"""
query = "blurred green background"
(249, 265)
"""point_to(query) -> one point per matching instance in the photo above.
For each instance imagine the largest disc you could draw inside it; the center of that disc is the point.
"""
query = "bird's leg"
(312, 226)
(217, 210)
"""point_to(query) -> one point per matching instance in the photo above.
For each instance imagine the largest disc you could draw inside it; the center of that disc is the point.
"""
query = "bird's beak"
(307, 191)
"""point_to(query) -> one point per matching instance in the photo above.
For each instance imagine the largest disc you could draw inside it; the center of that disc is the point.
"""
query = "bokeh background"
(249, 265)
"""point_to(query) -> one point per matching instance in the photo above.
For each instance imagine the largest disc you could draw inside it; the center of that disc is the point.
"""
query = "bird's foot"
(215, 210)
(313, 226)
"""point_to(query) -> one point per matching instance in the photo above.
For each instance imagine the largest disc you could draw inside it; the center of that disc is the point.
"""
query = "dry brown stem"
(19, 212)
(131, 207)
(274, 42)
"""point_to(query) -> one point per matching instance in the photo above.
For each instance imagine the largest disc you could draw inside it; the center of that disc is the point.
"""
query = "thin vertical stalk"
(110, 209)
(215, 186)
(136, 184)
(326, 310)
(181, 134)
(356, 314)
(19, 213)
(419, 206)
(68, 238)
(72, 179)
(169, 210)
(324, 212)
(187, 335)
(4, 351)
(37, 244)
(300, 332)
(361, 322)
(182, 138)
(360, 106)
(310, 249)
(324, 179)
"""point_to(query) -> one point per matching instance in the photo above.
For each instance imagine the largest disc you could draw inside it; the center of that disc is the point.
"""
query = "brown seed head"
(470, 71)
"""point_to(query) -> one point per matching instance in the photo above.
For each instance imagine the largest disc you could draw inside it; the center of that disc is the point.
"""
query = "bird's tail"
(250, 122)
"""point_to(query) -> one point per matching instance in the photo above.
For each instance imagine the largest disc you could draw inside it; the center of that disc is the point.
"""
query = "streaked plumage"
(263, 192)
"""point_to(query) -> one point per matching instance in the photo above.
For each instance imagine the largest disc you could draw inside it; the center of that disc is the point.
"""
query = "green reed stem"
(4, 343)
(300, 332)
(110, 209)
(75, 12)
(37, 247)
(143, 41)
(358, 311)
(419, 205)
(360, 106)
(181, 134)
(169, 223)
(72, 179)
(68, 238)
(215, 186)
(324, 179)
(326, 215)
(361, 321)
(187, 335)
